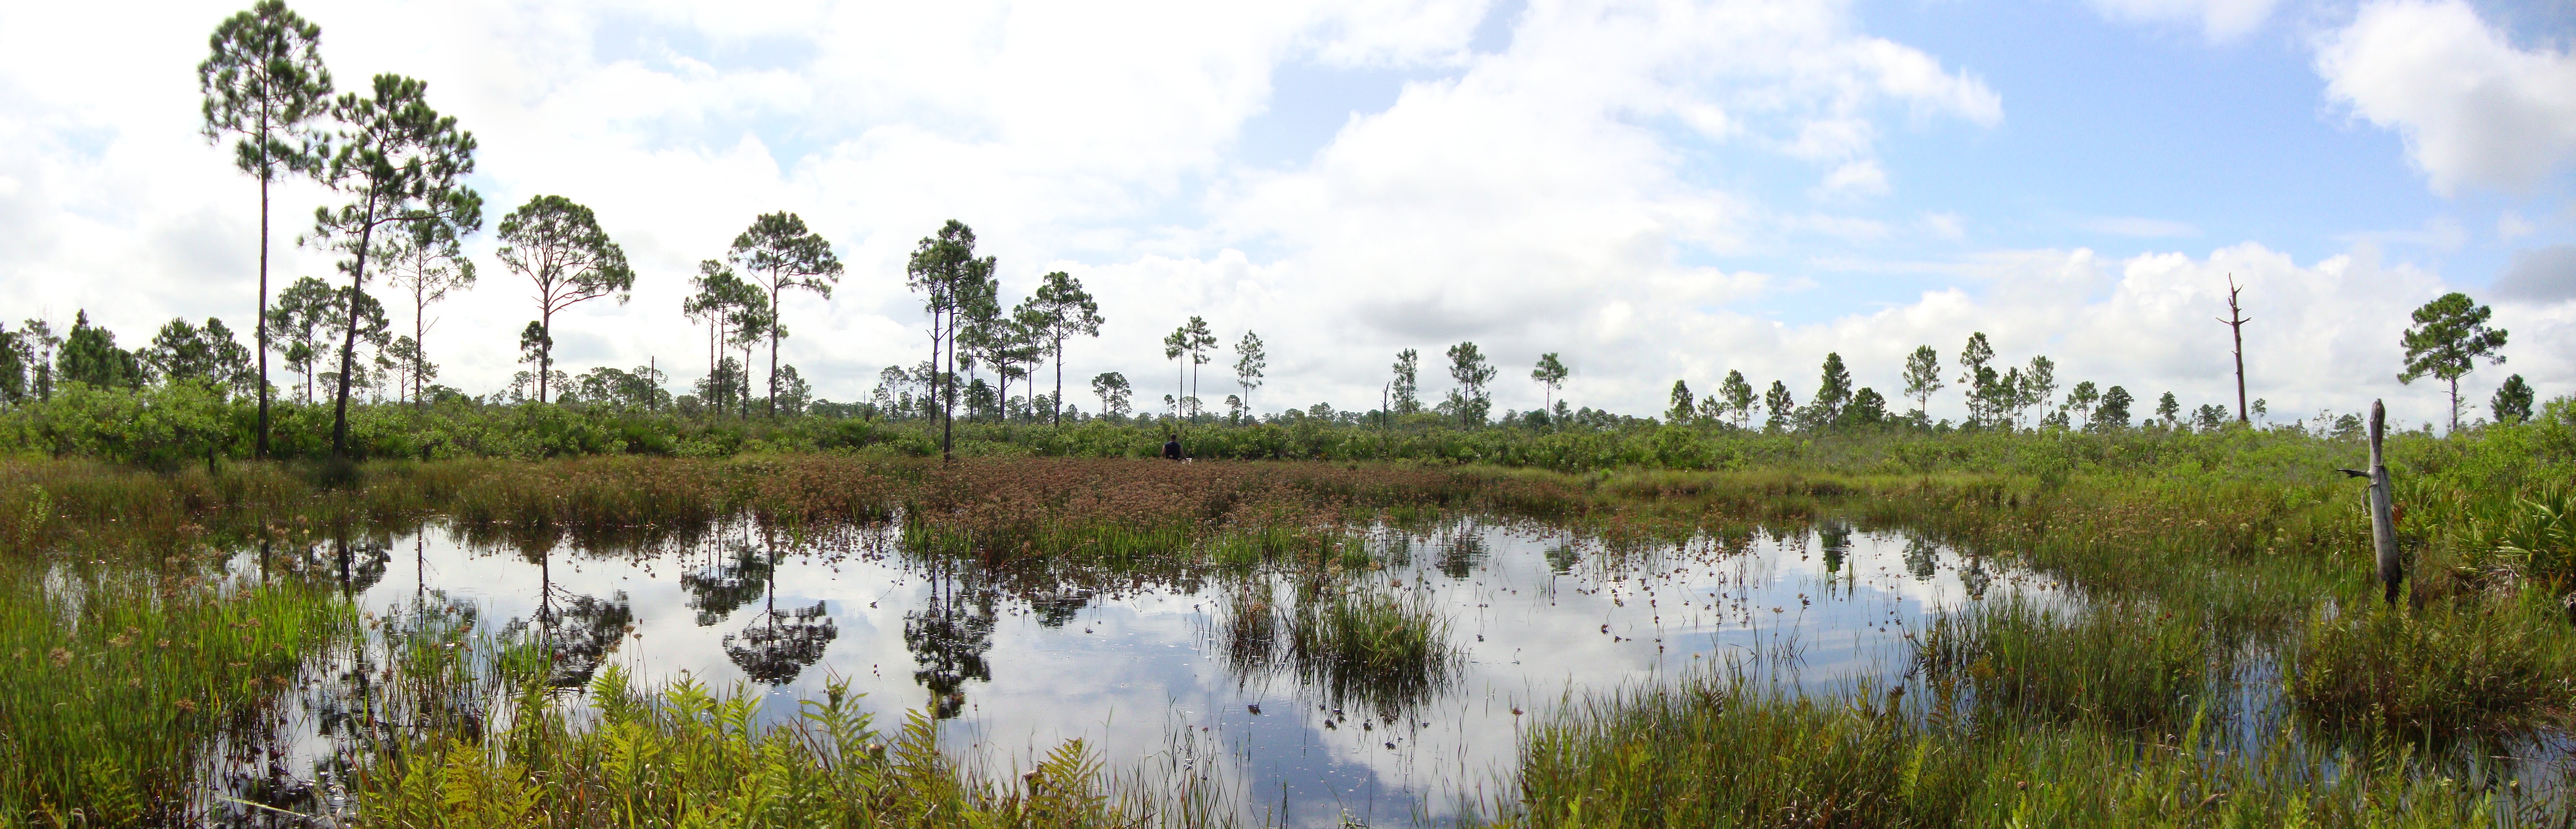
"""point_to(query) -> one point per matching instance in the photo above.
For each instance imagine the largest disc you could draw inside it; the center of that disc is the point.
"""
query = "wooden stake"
(2383, 523)
(2236, 321)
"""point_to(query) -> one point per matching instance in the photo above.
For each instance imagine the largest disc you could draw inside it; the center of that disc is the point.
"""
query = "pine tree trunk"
(349, 342)
(773, 344)
(261, 442)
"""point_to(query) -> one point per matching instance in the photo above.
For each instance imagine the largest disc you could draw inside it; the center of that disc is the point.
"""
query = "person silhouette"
(1172, 448)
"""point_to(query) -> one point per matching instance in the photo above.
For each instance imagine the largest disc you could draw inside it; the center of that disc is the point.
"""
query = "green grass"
(2127, 665)
(1369, 645)
(115, 688)
(1720, 750)
(2467, 664)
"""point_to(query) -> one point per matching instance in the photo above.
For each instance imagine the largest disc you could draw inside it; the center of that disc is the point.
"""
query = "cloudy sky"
(1657, 190)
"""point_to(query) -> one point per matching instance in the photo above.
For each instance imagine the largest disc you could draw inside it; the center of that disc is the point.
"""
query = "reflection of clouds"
(1119, 671)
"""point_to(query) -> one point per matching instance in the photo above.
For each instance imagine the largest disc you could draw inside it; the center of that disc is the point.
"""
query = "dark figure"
(1172, 449)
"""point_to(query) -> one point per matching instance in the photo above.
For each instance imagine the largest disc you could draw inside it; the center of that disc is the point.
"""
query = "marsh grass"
(2127, 665)
(117, 691)
(1381, 648)
(2471, 663)
(1720, 749)
(689, 756)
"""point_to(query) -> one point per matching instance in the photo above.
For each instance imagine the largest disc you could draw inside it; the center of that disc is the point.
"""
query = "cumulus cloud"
(2543, 275)
(2325, 334)
(2473, 108)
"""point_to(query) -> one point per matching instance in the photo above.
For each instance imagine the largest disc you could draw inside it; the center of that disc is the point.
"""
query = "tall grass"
(2128, 665)
(689, 756)
(2472, 663)
(1721, 750)
(1369, 646)
(117, 690)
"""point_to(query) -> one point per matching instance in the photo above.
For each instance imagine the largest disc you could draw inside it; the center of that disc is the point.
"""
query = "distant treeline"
(174, 424)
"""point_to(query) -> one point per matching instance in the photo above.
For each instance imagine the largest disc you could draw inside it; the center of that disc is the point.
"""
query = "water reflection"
(577, 630)
(948, 637)
(740, 577)
(1512, 617)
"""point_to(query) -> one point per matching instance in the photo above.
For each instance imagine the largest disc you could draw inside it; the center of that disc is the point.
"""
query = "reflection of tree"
(777, 645)
(1921, 557)
(717, 590)
(577, 631)
(353, 564)
(580, 633)
(1975, 578)
(1464, 551)
(1562, 558)
(1836, 539)
(1056, 607)
(948, 638)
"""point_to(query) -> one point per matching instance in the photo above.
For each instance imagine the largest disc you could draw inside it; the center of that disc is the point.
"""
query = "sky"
(1657, 190)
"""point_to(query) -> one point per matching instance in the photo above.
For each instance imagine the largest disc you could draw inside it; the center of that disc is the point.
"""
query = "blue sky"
(1657, 189)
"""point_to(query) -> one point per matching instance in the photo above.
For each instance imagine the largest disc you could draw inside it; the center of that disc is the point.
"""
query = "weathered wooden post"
(2383, 524)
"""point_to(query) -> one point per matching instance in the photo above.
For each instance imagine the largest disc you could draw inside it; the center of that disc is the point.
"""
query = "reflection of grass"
(1372, 646)
(1250, 629)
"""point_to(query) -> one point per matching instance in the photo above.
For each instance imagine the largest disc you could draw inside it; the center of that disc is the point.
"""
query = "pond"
(1170, 671)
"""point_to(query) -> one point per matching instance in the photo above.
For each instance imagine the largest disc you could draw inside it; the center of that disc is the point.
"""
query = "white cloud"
(2219, 20)
(2511, 225)
(1857, 178)
(2326, 334)
(2473, 108)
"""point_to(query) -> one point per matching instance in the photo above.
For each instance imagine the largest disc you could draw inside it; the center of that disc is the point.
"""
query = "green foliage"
(558, 245)
(2512, 401)
(782, 255)
(265, 83)
(1724, 750)
(1922, 376)
(403, 164)
(90, 356)
(686, 756)
(1469, 402)
(1368, 646)
(2449, 337)
(1550, 375)
(1833, 392)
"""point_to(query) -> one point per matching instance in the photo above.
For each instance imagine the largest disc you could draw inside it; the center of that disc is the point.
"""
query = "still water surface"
(1144, 671)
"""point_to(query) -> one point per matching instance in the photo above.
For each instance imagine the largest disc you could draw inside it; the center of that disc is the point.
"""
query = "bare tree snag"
(2236, 321)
